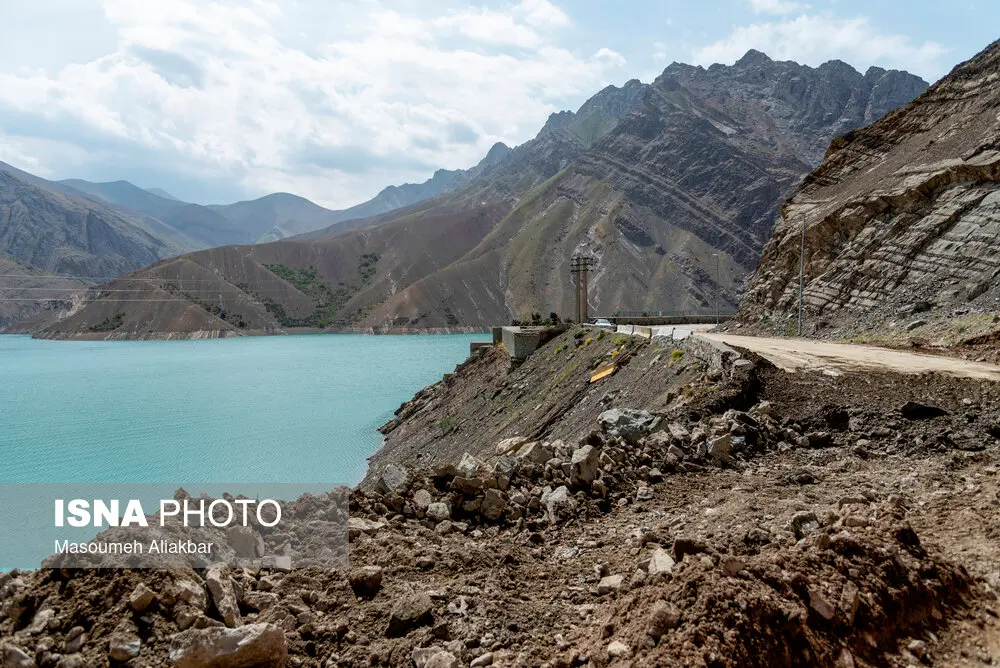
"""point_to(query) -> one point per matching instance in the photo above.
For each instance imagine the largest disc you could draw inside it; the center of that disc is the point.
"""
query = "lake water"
(290, 409)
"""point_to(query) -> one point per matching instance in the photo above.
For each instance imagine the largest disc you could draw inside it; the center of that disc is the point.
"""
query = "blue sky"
(220, 100)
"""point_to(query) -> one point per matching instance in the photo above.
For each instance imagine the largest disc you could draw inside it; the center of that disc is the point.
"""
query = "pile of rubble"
(529, 484)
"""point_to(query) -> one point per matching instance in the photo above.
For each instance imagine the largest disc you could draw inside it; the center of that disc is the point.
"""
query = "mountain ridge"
(899, 220)
(652, 180)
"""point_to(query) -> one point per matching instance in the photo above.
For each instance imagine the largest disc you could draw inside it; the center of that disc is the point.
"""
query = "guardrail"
(665, 318)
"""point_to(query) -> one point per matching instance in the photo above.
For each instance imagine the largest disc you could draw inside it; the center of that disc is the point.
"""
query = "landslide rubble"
(768, 519)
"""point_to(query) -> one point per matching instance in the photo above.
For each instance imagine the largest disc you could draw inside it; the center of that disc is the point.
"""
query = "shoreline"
(225, 334)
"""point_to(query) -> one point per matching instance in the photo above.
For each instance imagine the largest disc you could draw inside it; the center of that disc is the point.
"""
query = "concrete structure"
(476, 346)
(520, 342)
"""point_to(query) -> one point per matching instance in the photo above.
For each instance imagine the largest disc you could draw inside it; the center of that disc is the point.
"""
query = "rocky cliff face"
(67, 235)
(901, 217)
(673, 187)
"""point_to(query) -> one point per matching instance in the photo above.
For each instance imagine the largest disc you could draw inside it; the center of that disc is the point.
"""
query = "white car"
(601, 322)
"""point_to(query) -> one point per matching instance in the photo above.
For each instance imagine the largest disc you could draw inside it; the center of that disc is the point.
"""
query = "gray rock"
(467, 485)
(442, 660)
(619, 650)
(224, 597)
(190, 592)
(534, 453)
(74, 641)
(410, 612)
(141, 598)
(628, 424)
(660, 562)
(509, 445)
(421, 655)
(124, 645)
(644, 494)
(720, 448)
(394, 480)
(610, 584)
(260, 600)
(819, 603)
(559, 505)
(438, 511)
(663, 617)
(15, 657)
(803, 524)
(493, 505)
(584, 465)
(482, 660)
(250, 646)
(39, 622)
(679, 431)
(365, 581)
(469, 467)
(422, 499)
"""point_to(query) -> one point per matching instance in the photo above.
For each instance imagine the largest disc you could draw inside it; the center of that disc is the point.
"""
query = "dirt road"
(834, 358)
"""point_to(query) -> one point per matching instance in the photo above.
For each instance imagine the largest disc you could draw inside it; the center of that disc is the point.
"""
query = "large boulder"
(629, 424)
(469, 467)
(250, 646)
(559, 505)
(224, 597)
(534, 453)
(509, 445)
(493, 505)
(584, 465)
(394, 480)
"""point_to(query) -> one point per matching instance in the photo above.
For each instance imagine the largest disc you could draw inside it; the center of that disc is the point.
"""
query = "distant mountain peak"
(753, 57)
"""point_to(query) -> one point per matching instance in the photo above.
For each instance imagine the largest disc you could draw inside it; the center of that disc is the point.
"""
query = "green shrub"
(676, 355)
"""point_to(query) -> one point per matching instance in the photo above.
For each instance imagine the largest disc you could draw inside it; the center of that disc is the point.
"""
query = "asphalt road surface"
(835, 358)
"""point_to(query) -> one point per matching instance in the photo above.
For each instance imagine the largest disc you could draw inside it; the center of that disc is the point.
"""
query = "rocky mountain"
(59, 232)
(673, 187)
(901, 217)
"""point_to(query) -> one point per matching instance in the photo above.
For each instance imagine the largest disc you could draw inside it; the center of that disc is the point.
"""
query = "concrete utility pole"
(579, 267)
(802, 272)
(718, 288)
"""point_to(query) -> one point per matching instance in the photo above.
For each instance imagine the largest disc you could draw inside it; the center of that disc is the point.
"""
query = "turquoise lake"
(289, 409)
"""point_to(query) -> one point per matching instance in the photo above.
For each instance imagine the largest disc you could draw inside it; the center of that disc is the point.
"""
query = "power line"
(117, 278)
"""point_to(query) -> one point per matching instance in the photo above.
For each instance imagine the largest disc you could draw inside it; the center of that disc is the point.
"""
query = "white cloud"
(332, 100)
(541, 13)
(776, 6)
(815, 38)
(609, 56)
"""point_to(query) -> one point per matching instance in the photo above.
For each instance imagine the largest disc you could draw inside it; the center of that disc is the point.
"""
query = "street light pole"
(802, 272)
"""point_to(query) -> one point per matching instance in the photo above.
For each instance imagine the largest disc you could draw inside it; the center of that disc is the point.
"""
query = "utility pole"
(802, 272)
(718, 288)
(579, 267)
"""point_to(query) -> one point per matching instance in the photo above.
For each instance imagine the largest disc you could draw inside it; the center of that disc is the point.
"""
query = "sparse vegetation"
(600, 335)
(109, 324)
(328, 300)
(446, 425)
(677, 354)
